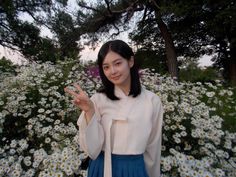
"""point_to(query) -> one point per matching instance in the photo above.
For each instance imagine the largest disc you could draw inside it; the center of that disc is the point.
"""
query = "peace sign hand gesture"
(82, 100)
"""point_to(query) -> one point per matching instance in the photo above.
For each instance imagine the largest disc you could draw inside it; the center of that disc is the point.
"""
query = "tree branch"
(144, 15)
(118, 30)
(9, 45)
(155, 4)
(131, 7)
(5, 26)
(88, 7)
(36, 19)
(108, 6)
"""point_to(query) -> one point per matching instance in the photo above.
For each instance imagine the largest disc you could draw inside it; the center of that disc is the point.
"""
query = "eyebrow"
(118, 59)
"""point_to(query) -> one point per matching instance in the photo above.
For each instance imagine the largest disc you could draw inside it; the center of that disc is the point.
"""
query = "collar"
(120, 93)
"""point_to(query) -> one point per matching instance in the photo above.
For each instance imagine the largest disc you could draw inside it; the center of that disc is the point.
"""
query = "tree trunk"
(232, 65)
(232, 73)
(169, 47)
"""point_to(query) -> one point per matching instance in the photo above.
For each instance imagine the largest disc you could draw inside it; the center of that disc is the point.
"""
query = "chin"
(115, 82)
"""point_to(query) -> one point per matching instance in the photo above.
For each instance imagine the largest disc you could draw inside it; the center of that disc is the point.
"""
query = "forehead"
(112, 57)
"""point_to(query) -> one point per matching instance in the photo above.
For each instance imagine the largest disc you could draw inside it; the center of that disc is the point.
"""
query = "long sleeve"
(91, 135)
(152, 154)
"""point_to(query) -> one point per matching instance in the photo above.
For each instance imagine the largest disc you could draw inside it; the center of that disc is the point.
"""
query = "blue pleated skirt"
(122, 166)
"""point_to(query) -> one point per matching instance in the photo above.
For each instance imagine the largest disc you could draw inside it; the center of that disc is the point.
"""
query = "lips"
(115, 78)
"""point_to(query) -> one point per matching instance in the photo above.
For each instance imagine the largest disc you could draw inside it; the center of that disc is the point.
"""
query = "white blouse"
(126, 126)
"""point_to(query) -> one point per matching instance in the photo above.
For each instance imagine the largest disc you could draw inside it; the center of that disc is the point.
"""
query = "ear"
(131, 62)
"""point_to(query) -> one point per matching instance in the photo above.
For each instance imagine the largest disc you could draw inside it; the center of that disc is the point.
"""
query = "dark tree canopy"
(182, 28)
(197, 28)
(11, 24)
(117, 15)
(24, 36)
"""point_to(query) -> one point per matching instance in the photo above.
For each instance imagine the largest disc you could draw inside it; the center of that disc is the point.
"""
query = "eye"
(118, 63)
(105, 68)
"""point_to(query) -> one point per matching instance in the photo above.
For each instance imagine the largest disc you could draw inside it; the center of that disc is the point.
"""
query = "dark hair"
(123, 49)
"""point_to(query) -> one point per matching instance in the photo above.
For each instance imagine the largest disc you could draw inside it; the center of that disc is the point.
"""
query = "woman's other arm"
(152, 155)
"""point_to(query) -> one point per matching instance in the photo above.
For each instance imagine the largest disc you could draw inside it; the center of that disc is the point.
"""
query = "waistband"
(124, 156)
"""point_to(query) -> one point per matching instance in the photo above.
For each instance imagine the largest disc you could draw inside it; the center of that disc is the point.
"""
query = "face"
(117, 69)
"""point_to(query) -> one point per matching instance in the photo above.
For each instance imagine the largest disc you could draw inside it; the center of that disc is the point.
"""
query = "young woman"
(120, 126)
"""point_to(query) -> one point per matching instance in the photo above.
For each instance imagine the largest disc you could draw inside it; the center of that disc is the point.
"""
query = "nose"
(113, 70)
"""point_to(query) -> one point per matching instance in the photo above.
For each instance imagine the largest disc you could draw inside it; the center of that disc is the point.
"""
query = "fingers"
(76, 102)
(80, 99)
(71, 92)
(78, 87)
(76, 99)
(74, 93)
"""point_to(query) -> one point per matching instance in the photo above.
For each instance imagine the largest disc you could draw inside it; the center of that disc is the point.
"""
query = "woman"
(120, 126)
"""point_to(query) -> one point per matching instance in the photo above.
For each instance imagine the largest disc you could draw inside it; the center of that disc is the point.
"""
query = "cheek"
(126, 69)
(106, 73)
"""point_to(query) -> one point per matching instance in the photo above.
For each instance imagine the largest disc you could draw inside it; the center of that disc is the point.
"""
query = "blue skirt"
(122, 166)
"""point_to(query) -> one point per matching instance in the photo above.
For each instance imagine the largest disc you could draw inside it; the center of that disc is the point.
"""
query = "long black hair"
(123, 49)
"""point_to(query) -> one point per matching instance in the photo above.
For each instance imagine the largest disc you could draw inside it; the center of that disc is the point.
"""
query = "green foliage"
(227, 111)
(223, 107)
(6, 66)
(64, 28)
(151, 59)
(45, 51)
(208, 74)
(32, 46)
(22, 35)
(197, 28)
(13, 31)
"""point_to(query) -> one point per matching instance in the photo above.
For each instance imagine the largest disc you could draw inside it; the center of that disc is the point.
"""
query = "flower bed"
(39, 135)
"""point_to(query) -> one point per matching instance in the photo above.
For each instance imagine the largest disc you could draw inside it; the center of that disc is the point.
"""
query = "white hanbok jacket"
(126, 126)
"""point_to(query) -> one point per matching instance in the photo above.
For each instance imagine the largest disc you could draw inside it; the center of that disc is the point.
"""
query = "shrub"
(39, 135)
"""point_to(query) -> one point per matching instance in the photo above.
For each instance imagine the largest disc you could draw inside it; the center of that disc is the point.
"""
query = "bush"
(39, 135)
(7, 68)
(193, 73)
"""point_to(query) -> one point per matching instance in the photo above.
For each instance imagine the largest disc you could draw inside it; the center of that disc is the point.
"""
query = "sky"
(86, 55)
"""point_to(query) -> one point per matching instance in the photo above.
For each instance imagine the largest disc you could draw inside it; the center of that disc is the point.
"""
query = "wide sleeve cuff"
(91, 135)
(152, 155)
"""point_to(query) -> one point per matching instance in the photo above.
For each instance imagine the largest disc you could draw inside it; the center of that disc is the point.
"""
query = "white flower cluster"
(195, 142)
(39, 135)
(62, 162)
(189, 166)
(37, 121)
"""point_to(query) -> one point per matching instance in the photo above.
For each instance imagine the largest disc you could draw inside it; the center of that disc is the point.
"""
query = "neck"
(126, 86)
(125, 89)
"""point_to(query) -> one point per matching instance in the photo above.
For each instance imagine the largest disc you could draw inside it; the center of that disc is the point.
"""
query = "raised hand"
(82, 100)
